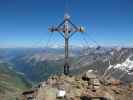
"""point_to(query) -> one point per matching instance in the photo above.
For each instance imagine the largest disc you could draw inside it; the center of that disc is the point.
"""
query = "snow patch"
(126, 66)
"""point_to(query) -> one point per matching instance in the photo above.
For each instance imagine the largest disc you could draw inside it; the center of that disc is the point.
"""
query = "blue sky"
(24, 23)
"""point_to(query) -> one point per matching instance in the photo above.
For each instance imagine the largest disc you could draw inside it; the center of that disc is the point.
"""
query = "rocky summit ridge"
(87, 86)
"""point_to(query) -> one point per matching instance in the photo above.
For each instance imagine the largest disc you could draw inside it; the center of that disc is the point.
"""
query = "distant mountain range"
(38, 64)
(102, 59)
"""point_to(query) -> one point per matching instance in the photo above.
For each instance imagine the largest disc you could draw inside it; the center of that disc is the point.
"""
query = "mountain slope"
(11, 83)
(120, 59)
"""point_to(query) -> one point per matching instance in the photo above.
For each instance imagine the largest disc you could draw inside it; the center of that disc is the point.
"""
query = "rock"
(74, 88)
(74, 92)
(130, 87)
(96, 83)
(109, 96)
(47, 93)
(89, 75)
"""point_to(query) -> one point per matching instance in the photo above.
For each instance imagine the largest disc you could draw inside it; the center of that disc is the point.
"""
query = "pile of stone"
(83, 87)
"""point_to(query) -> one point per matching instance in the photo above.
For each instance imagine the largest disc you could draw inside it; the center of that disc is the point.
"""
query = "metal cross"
(66, 29)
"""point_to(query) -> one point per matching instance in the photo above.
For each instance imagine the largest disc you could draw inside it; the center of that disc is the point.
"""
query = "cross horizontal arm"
(61, 24)
(56, 30)
(73, 25)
